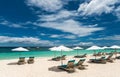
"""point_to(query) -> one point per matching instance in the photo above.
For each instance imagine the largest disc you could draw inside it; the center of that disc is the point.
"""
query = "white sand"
(43, 67)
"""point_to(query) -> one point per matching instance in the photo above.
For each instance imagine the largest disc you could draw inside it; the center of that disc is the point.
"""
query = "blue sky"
(56, 22)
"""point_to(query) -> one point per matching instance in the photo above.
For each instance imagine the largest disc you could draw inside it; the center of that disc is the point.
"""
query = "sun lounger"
(110, 59)
(59, 58)
(103, 53)
(63, 57)
(101, 60)
(80, 65)
(56, 58)
(98, 54)
(21, 61)
(118, 57)
(80, 56)
(30, 60)
(109, 53)
(69, 67)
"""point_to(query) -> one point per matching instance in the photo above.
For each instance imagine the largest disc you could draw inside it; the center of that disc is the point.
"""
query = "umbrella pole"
(77, 52)
(61, 58)
(104, 53)
(54, 54)
(115, 52)
(19, 54)
(95, 54)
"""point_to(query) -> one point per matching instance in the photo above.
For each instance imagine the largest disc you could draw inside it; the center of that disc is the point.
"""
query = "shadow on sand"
(53, 60)
(13, 63)
(55, 69)
(50, 60)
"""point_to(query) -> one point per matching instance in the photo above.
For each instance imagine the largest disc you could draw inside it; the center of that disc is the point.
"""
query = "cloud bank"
(71, 26)
(24, 40)
(97, 7)
(114, 37)
(47, 5)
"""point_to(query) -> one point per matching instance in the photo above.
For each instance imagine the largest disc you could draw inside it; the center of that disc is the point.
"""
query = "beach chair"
(63, 57)
(98, 54)
(21, 61)
(56, 58)
(115, 52)
(103, 54)
(101, 60)
(30, 60)
(81, 56)
(80, 65)
(118, 57)
(110, 59)
(109, 53)
(69, 67)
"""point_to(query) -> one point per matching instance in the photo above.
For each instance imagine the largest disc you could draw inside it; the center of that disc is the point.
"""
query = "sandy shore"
(44, 67)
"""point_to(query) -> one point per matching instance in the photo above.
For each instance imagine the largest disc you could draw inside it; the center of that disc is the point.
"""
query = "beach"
(44, 67)
(60, 38)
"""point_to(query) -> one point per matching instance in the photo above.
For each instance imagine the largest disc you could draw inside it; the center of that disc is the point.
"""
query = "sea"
(6, 53)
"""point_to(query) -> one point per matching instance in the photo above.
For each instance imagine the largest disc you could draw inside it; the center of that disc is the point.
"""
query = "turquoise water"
(6, 53)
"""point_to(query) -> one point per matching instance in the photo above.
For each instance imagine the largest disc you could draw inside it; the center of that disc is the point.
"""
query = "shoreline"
(16, 55)
(37, 57)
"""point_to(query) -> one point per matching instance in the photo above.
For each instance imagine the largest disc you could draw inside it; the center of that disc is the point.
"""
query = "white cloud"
(117, 12)
(10, 24)
(56, 36)
(60, 15)
(24, 40)
(71, 26)
(47, 5)
(85, 43)
(97, 7)
(70, 36)
(59, 36)
(114, 37)
(42, 34)
(63, 36)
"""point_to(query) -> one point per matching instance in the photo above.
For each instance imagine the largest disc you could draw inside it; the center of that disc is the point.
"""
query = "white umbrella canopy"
(77, 48)
(105, 47)
(115, 47)
(53, 48)
(20, 49)
(94, 48)
(63, 48)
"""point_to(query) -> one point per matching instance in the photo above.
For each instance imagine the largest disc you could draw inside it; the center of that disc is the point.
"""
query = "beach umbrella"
(94, 48)
(20, 49)
(105, 47)
(115, 47)
(77, 48)
(53, 49)
(61, 49)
